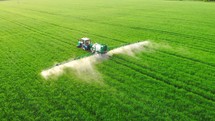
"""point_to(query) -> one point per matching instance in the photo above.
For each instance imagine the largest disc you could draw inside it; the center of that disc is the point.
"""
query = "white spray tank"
(99, 48)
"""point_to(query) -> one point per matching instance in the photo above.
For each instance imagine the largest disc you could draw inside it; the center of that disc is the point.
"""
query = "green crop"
(173, 80)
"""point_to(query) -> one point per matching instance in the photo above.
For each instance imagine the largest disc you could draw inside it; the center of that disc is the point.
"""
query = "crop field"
(172, 80)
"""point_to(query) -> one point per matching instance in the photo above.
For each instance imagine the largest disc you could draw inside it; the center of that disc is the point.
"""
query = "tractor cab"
(85, 43)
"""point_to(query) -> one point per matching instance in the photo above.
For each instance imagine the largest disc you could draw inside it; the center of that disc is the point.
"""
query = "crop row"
(65, 27)
(200, 38)
(182, 66)
(16, 99)
(211, 65)
(99, 102)
(202, 48)
(186, 36)
(169, 80)
(135, 87)
(138, 76)
(42, 42)
(196, 45)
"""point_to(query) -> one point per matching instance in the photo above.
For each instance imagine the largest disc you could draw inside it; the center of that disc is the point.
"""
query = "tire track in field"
(5, 31)
(127, 88)
(194, 47)
(31, 29)
(197, 47)
(136, 28)
(206, 40)
(185, 44)
(101, 36)
(151, 73)
(156, 59)
(188, 58)
(184, 59)
(180, 19)
(160, 31)
(94, 21)
(45, 34)
(98, 35)
(148, 68)
(45, 53)
(117, 81)
(38, 31)
(43, 46)
(153, 79)
(186, 74)
(68, 28)
(57, 14)
(59, 40)
(140, 78)
(55, 25)
(117, 75)
(28, 28)
(186, 36)
(72, 29)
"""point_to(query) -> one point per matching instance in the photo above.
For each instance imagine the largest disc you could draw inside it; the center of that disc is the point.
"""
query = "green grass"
(174, 81)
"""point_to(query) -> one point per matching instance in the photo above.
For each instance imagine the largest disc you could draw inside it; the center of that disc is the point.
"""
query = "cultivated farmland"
(172, 80)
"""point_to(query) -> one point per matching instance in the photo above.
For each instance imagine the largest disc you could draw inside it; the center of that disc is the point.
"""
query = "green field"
(173, 81)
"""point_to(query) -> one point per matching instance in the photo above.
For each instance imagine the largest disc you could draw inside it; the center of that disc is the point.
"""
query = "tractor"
(85, 44)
